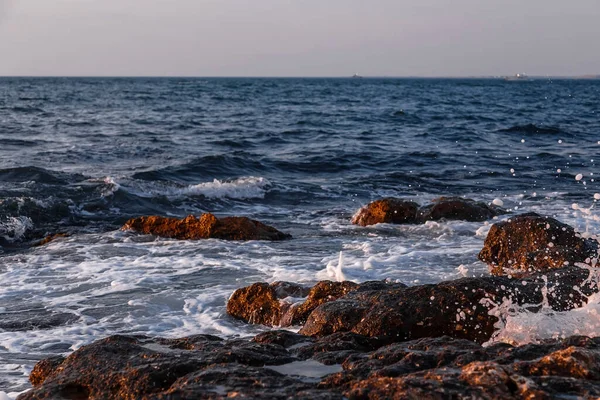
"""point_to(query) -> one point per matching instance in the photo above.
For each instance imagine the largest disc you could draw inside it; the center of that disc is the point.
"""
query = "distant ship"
(517, 77)
(356, 76)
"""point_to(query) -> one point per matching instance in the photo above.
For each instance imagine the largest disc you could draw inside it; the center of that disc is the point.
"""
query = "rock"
(44, 368)
(265, 304)
(459, 308)
(457, 208)
(388, 210)
(531, 242)
(50, 238)
(397, 211)
(277, 304)
(355, 367)
(205, 227)
(256, 304)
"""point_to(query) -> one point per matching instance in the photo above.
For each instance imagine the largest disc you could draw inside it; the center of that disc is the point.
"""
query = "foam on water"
(248, 187)
(518, 325)
(242, 188)
(14, 228)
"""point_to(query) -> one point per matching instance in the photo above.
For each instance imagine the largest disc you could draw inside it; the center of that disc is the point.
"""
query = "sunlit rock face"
(388, 210)
(398, 211)
(282, 364)
(530, 242)
(287, 304)
(206, 227)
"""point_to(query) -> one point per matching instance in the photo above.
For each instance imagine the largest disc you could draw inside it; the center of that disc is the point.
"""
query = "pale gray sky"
(299, 37)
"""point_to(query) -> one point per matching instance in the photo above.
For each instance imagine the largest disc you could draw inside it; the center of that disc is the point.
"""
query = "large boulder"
(205, 227)
(283, 365)
(397, 211)
(530, 242)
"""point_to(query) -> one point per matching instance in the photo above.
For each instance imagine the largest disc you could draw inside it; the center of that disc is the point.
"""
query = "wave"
(242, 188)
(220, 166)
(40, 175)
(532, 129)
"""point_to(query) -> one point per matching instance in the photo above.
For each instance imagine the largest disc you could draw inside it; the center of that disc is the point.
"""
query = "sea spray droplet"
(596, 196)
(579, 177)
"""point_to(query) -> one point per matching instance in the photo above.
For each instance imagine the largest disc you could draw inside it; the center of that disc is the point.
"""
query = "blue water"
(82, 155)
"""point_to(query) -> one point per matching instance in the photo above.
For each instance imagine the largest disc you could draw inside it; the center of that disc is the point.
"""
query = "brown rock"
(206, 367)
(265, 304)
(323, 292)
(44, 368)
(457, 308)
(256, 304)
(388, 210)
(205, 227)
(531, 242)
(397, 211)
(457, 208)
(51, 238)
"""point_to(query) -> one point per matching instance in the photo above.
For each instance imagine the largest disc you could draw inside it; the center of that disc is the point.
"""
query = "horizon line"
(597, 76)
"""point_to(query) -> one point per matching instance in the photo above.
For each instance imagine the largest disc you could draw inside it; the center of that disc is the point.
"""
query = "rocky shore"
(370, 340)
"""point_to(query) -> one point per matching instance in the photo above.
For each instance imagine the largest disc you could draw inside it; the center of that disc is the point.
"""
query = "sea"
(80, 156)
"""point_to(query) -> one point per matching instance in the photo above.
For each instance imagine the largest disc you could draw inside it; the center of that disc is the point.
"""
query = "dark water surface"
(81, 156)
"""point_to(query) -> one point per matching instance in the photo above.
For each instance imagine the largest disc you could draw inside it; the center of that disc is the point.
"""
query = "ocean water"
(81, 156)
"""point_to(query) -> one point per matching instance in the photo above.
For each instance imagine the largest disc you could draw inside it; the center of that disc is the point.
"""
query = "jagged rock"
(397, 211)
(394, 312)
(44, 368)
(355, 367)
(388, 210)
(269, 304)
(265, 304)
(459, 308)
(457, 208)
(205, 227)
(256, 304)
(531, 242)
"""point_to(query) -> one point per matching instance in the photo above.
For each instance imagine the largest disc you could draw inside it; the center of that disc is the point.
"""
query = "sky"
(299, 37)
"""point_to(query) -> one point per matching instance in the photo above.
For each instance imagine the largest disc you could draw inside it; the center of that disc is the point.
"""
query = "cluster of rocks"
(285, 365)
(371, 340)
(398, 211)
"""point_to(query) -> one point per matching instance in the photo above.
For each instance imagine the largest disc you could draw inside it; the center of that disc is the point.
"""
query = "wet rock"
(44, 368)
(51, 238)
(457, 208)
(531, 242)
(34, 319)
(279, 303)
(459, 308)
(206, 367)
(256, 304)
(397, 211)
(388, 210)
(205, 227)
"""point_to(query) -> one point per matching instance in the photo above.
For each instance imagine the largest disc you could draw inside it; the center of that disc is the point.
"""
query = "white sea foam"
(518, 325)
(14, 228)
(242, 188)
(248, 187)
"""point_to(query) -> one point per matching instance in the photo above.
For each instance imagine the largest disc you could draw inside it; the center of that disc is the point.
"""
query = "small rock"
(388, 210)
